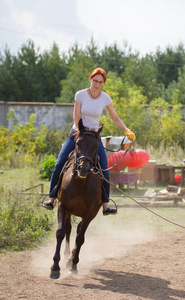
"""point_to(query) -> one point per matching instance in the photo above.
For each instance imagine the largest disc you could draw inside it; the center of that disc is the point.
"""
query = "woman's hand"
(130, 135)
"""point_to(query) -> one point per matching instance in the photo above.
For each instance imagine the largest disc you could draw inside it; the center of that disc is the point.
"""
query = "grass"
(22, 179)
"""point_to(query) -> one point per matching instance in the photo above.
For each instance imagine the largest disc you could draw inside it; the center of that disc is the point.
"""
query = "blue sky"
(143, 24)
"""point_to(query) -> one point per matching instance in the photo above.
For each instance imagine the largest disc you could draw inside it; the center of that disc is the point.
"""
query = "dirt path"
(142, 269)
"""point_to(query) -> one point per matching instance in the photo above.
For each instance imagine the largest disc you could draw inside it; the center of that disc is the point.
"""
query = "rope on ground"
(165, 219)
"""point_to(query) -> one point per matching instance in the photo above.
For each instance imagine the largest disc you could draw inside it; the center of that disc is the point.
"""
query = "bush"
(22, 143)
(55, 139)
(47, 166)
(23, 222)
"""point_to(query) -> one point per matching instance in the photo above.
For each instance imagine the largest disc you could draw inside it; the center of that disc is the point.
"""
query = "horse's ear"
(100, 128)
(80, 125)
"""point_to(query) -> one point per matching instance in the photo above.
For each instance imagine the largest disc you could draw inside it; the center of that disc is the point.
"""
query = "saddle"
(55, 190)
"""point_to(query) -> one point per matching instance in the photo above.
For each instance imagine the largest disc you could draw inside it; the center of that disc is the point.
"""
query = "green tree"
(91, 51)
(8, 84)
(166, 126)
(26, 69)
(168, 62)
(54, 70)
(174, 86)
(142, 72)
(80, 65)
(31, 76)
(113, 59)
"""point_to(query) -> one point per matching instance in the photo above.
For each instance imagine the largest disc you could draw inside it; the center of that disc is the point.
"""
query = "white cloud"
(24, 19)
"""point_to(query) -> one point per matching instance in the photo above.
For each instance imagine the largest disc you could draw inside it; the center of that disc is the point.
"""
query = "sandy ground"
(128, 266)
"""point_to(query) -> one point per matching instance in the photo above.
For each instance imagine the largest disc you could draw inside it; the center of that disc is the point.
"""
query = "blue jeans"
(66, 149)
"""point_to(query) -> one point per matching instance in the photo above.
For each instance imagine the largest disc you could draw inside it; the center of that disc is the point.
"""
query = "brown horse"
(79, 195)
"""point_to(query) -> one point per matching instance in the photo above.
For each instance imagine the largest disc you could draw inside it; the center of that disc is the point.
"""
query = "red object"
(115, 157)
(139, 158)
(124, 178)
(178, 178)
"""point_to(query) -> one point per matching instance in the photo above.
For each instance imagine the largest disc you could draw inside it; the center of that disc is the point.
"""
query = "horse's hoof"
(69, 263)
(73, 272)
(54, 274)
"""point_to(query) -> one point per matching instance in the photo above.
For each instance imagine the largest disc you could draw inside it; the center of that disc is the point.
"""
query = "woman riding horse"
(79, 194)
(89, 104)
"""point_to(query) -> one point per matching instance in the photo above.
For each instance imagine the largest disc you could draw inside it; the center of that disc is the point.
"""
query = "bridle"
(77, 164)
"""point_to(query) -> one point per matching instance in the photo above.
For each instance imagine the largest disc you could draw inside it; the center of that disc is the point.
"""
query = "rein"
(117, 151)
(100, 174)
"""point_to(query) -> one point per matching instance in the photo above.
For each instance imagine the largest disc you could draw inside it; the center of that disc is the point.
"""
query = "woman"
(89, 104)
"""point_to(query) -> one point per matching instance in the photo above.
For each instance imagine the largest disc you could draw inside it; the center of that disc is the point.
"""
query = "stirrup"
(110, 211)
(48, 205)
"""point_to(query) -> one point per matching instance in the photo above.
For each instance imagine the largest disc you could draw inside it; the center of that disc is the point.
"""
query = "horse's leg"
(68, 233)
(60, 234)
(70, 258)
(80, 238)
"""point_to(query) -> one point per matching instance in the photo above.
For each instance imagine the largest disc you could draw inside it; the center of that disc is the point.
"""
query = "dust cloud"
(105, 239)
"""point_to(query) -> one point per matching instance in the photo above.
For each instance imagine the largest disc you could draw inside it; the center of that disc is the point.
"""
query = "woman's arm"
(130, 135)
(77, 113)
(115, 117)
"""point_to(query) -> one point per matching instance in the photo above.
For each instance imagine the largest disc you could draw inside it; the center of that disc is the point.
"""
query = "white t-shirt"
(91, 109)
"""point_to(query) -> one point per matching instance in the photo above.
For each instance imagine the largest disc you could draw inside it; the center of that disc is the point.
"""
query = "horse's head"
(86, 149)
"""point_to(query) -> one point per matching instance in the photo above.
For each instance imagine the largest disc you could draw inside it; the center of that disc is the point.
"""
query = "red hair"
(98, 71)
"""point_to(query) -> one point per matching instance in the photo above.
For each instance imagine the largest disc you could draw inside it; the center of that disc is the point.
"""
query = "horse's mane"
(76, 133)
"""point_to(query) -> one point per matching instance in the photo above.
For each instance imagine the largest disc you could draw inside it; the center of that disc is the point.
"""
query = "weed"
(23, 222)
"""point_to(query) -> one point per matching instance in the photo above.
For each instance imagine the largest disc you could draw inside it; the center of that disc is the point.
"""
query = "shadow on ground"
(135, 284)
